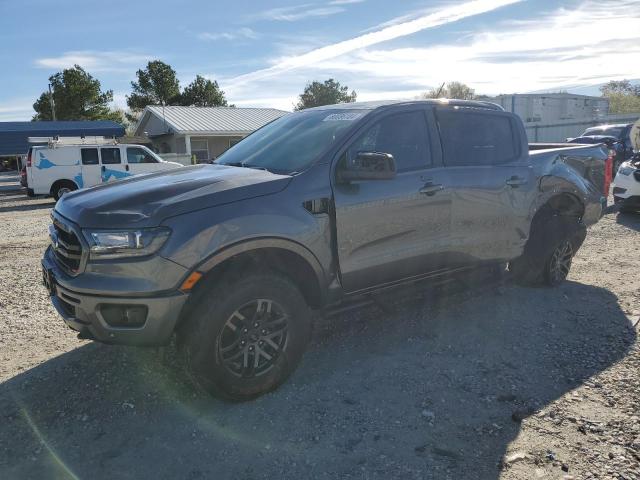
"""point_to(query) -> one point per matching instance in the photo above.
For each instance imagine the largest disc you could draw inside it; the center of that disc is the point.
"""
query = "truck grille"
(66, 247)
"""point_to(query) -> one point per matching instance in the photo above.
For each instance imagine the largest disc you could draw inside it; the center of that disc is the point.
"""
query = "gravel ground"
(465, 382)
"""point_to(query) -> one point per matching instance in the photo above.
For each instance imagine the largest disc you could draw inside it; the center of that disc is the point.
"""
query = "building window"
(200, 148)
(234, 141)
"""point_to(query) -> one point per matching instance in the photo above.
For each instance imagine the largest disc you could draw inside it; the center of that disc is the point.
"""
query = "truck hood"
(146, 200)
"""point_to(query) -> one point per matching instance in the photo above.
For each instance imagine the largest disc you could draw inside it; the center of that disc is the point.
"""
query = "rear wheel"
(557, 267)
(61, 188)
(547, 257)
(244, 337)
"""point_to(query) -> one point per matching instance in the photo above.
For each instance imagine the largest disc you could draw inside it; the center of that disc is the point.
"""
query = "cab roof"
(386, 103)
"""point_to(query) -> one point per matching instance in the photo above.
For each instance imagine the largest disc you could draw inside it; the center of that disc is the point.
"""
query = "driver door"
(139, 160)
(388, 230)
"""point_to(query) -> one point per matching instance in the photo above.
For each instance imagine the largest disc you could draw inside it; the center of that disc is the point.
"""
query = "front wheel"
(244, 337)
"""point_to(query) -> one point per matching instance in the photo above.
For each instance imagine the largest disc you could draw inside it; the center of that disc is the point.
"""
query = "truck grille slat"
(66, 247)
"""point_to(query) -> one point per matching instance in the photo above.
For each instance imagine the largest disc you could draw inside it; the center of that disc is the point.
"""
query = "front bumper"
(82, 311)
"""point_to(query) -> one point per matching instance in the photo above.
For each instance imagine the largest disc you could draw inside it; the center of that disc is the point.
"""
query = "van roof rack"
(58, 141)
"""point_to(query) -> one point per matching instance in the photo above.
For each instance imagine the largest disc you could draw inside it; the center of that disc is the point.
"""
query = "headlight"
(626, 170)
(104, 244)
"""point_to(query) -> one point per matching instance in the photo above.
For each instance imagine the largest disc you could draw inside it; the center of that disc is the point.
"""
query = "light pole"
(53, 104)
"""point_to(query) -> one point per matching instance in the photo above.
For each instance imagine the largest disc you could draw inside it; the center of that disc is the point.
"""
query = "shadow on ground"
(629, 220)
(25, 204)
(425, 390)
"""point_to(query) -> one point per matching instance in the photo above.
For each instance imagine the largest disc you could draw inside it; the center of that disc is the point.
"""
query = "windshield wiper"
(233, 164)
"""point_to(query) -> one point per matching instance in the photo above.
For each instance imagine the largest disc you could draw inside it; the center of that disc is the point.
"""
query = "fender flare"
(262, 243)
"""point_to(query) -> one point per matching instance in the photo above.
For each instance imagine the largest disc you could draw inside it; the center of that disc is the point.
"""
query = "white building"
(553, 107)
(179, 132)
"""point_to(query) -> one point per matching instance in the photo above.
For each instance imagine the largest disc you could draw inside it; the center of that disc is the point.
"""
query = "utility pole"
(53, 104)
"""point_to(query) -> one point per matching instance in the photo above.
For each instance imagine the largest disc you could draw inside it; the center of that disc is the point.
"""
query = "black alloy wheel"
(253, 338)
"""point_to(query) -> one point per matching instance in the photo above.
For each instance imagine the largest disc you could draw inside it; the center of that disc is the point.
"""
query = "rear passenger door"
(490, 180)
(113, 167)
(91, 174)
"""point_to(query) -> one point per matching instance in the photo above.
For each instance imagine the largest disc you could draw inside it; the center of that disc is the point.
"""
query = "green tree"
(623, 96)
(203, 93)
(157, 85)
(77, 96)
(452, 90)
(328, 93)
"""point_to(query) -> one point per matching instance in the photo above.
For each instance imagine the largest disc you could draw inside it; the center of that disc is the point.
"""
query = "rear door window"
(476, 138)
(110, 156)
(89, 156)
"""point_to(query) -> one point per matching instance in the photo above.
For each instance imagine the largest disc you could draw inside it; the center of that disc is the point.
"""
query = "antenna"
(164, 120)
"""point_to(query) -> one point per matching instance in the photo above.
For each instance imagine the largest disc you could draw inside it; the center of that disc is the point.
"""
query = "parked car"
(316, 208)
(626, 186)
(57, 169)
(620, 131)
(23, 177)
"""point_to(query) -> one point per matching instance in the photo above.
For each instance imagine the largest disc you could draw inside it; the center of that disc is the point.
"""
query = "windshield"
(293, 142)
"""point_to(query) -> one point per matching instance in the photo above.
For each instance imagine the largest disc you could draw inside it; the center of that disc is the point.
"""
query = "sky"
(263, 53)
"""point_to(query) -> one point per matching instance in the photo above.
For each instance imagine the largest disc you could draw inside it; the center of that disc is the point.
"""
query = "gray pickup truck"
(314, 209)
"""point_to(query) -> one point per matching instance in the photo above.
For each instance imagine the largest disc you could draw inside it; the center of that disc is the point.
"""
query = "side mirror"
(370, 166)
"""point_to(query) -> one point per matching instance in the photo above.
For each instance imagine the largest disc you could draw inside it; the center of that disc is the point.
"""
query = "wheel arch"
(62, 181)
(564, 203)
(280, 255)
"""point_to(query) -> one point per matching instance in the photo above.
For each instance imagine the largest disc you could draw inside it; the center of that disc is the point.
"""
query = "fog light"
(124, 315)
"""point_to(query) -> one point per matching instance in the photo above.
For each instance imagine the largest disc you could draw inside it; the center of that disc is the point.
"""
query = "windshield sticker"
(343, 117)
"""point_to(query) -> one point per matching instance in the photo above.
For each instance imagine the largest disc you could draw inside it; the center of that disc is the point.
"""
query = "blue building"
(14, 136)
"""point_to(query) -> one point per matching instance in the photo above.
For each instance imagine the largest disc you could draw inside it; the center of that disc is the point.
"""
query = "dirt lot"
(483, 382)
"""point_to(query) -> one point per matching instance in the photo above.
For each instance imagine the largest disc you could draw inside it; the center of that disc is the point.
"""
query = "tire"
(62, 187)
(547, 256)
(235, 358)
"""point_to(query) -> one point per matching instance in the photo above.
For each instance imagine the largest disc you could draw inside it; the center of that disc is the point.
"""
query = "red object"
(608, 169)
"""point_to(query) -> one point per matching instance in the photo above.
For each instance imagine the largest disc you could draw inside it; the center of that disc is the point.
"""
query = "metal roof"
(14, 135)
(211, 120)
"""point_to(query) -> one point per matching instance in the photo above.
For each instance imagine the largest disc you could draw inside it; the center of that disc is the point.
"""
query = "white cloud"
(16, 110)
(296, 12)
(242, 33)
(434, 19)
(587, 45)
(95, 61)
(344, 2)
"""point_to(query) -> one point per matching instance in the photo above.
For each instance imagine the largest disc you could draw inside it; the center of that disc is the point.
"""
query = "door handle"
(126, 167)
(103, 168)
(431, 189)
(515, 181)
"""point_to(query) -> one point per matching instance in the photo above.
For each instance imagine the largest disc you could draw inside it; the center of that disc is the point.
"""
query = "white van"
(59, 167)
